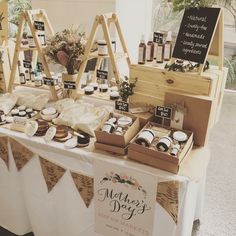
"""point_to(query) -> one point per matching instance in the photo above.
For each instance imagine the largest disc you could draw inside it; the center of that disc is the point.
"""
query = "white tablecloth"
(26, 205)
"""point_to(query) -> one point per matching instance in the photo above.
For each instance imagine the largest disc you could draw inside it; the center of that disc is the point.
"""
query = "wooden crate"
(153, 83)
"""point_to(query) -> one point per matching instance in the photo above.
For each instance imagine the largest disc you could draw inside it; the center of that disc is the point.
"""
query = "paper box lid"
(198, 117)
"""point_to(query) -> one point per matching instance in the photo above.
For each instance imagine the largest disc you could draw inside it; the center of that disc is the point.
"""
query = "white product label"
(140, 55)
(20, 120)
(146, 135)
(22, 79)
(159, 54)
(31, 42)
(3, 118)
(155, 50)
(102, 49)
(149, 52)
(167, 52)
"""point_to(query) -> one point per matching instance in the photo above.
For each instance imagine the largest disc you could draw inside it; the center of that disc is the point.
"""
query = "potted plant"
(67, 48)
(126, 88)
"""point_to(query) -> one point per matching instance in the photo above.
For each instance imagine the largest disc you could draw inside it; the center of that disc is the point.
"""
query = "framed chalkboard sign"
(196, 34)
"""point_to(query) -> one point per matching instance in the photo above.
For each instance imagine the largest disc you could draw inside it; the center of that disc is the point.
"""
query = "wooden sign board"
(3, 21)
(197, 34)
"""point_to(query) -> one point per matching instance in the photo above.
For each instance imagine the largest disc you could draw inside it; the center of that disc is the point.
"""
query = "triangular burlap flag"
(4, 150)
(52, 173)
(21, 154)
(168, 197)
(84, 184)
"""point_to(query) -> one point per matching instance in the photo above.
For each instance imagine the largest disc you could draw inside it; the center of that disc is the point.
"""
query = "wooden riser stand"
(4, 68)
(105, 22)
(27, 18)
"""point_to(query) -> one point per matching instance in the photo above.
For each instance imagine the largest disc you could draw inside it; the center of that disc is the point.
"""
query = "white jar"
(146, 137)
(108, 127)
(164, 144)
(102, 48)
(38, 82)
(31, 41)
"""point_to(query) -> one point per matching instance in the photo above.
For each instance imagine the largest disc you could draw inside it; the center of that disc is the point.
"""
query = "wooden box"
(116, 143)
(198, 117)
(159, 159)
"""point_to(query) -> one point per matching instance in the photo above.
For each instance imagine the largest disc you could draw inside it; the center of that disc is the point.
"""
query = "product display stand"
(216, 47)
(104, 21)
(28, 17)
(4, 68)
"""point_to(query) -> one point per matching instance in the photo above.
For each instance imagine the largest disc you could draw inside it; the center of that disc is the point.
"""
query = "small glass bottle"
(22, 78)
(27, 75)
(150, 49)
(32, 76)
(20, 67)
(168, 47)
(142, 51)
(160, 50)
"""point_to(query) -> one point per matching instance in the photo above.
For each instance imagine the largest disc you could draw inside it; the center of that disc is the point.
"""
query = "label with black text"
(39, 25)
(48, 81)
(70, 85)
(27, 64)
(164, 112)
(102, 74)
(122, 106)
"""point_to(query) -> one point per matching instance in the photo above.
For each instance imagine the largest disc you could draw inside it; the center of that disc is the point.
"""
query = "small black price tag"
(164, 112)
(102, 74)
(48, 81)
(122, 106)
(27, 64)
(70, 85)
(158, 37)
(39, 25)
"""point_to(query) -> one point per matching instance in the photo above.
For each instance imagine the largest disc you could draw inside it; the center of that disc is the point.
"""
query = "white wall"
(64, 13)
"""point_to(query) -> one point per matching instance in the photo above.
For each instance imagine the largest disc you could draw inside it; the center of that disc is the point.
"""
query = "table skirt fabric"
(26, 205)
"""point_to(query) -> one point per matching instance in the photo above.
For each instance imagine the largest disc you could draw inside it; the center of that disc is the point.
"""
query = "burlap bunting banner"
(21, 154)
(168, 197)
(84, 184)
(52, 173)
(4, 150)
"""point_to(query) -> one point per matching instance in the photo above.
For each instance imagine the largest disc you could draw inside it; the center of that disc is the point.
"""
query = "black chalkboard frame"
(216, 46)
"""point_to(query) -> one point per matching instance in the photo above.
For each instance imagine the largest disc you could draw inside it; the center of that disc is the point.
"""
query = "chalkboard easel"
(201, 36)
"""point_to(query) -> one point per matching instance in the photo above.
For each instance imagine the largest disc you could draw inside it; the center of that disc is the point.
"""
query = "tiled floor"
(219, 217)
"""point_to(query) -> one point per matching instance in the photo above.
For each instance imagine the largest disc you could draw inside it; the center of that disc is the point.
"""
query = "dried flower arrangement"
(67, 48)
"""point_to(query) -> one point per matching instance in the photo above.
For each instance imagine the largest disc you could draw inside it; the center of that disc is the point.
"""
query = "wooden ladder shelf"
(28, 17)
(105, 22)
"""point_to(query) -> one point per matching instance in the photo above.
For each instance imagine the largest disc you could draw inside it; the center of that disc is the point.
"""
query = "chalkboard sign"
(195, 34)
(164, 112)
(122, 106)
(27, 64)
(39, 25)
(158, 37)
(70, 85)
(48, 81)
(102, 74)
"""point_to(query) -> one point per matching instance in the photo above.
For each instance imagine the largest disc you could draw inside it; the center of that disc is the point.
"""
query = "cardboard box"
(158, 159)
(112, 149)
(118, 141)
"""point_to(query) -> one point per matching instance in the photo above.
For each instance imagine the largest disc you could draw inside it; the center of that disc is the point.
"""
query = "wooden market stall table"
(26, 205)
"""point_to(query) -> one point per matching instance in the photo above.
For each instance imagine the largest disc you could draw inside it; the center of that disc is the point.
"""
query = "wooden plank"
(17, 51)
(161, 78)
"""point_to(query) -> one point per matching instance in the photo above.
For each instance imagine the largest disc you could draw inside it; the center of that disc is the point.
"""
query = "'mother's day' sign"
(124, 200)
